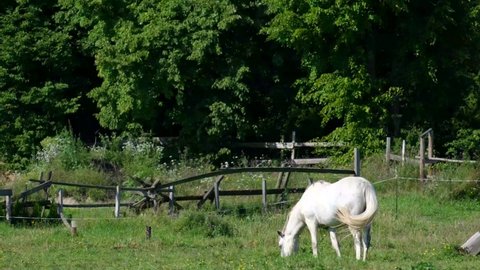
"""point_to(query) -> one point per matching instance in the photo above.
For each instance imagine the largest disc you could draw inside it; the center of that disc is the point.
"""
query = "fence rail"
(421, 159)
(158, 193)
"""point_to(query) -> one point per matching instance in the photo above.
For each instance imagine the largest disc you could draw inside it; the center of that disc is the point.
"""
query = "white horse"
(351, 201)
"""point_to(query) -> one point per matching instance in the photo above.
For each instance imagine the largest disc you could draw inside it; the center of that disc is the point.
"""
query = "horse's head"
(287, 243)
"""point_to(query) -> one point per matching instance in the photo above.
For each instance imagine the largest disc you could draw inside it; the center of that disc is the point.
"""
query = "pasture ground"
(417, 227)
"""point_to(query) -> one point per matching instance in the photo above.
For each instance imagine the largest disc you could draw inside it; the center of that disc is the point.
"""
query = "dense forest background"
(216, 72)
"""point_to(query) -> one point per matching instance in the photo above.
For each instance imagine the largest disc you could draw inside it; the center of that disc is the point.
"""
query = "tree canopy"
(214, 72)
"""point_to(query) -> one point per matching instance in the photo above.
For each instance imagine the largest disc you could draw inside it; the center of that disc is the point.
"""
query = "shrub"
(465, 145)
(33, 215)
(469, 190)
(64, 151)
(208, 224)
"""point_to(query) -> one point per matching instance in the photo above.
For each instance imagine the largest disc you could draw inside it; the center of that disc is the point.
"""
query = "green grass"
(419, 229)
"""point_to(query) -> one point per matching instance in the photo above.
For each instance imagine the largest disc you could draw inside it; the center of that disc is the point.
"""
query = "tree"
(199, 69)
(371, 61)
(39, 81)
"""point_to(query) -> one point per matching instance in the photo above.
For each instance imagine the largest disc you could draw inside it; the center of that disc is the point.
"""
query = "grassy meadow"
(417, 227)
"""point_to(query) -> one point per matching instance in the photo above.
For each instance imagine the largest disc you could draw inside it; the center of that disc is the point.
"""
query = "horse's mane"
(286, 222)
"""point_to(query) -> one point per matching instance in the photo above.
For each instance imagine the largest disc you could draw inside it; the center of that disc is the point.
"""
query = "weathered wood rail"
(292, 147)
(7, 193)
(258, 170)
(157, 193)
(421, 159)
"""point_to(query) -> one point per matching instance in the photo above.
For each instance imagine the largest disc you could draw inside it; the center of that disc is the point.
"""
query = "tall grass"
(422, 232)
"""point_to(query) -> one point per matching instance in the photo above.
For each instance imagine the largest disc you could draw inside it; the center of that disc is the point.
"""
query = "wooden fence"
(292, 147)
(158, 193)
(421, 159)
(7, 193)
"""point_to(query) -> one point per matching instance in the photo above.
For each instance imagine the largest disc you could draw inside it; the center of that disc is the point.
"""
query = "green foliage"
(208, 224)
(370, 62)
(469, 190)
(465, 146)
(39, 87)
(216, 72)
(64, 149)
(198, 67)
(423, 266)
(36, 215)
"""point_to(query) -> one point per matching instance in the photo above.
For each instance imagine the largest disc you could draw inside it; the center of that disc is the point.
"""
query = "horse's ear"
(281, 234)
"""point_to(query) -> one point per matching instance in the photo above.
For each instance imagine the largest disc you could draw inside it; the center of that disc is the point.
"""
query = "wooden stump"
(472, 246)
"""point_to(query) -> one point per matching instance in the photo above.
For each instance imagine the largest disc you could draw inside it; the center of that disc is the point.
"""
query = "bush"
(33, 215)
(469, 190)
(135, 157)
(208, 224)
(64, 151)
(466, 144)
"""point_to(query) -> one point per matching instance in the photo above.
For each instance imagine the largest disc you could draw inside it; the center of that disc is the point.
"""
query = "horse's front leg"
(312, 227)
(333, 239)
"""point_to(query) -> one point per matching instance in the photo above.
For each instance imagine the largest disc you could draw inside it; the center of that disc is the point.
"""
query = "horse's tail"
(361, 220)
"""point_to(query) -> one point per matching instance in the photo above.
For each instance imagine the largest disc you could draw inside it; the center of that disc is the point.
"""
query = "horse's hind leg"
(333, 239)
(357, 240)
(366, 240)
(312, 227)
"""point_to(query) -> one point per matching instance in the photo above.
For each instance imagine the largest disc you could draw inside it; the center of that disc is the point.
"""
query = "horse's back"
(350, 193)
(323, 199)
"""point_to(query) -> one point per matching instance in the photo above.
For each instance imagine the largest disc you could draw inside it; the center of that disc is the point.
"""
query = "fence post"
(117, 202)
(403, 152)
(148, 232)
(60, 202)
(264, 195)
(8, 205)
(356, 154)
(430, 144)
(422, 159)
(292, 157)
(388, 149)
(216, 190)
(60, 210)
(74, 228)
(171, 203)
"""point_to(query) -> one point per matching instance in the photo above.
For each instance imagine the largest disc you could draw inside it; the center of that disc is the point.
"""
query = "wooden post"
(117, 202)
(8, 208)
(74, 228)
(292, 157)
(264, 195)
(60, 202)
(430, 151)
(284, 185)
(208, 194)
(388, 149)
(280, 179)
(472, 246)
(430, 144)
(403, 152)
(421, 163)
(171, 202)
(216, 189)
(148, 232)
(356, 154)
(155, 206)
(60, 209)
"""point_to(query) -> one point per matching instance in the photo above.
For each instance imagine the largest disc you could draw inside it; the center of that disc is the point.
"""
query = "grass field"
(417, 227)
